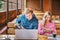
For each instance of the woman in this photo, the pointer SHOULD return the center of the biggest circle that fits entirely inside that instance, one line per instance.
(47, 26)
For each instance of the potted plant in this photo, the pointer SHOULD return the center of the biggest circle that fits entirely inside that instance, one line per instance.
(1, 4)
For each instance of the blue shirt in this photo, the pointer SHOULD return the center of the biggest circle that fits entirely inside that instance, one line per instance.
(28, 24)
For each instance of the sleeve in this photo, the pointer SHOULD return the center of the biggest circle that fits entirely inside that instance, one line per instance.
(40, 30)
(18, 20)
(35, 25)
(54, 27)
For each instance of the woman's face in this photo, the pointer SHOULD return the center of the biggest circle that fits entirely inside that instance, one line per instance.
(48, 17)
(29, 16)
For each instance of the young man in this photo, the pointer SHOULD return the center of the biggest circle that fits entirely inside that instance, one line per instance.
(28, 20)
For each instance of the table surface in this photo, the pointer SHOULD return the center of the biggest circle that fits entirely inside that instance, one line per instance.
(12, 37)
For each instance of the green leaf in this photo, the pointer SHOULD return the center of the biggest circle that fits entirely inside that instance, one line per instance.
(0, 4)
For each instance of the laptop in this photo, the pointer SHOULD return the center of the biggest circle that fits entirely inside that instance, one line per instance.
(26, 34)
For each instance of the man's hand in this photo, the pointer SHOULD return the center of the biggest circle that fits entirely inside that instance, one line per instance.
(23, 28)
(16, 24)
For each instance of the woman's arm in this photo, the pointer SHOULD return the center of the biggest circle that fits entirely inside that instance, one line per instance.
(52, 28)
(40, 30)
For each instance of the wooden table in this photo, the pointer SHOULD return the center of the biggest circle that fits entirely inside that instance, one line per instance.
(51, 38)
(12, 37)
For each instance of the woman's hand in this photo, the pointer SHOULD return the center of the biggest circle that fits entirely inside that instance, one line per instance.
(48, 30)
(43, 28)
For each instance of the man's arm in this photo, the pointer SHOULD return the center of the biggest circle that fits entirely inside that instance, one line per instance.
(35, 25)
(18, 22)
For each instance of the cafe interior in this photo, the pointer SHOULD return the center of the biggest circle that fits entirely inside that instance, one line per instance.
(10, 10)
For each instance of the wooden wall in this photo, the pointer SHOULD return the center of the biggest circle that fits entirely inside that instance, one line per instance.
(11, 16)
(52, 5)
(35, 4)
(46, 5)
(2, 18)
(56, 7)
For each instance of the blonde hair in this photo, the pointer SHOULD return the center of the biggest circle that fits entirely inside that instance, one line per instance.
(27, 10)
(44, 18)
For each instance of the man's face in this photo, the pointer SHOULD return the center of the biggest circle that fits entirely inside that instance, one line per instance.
(29, 16)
